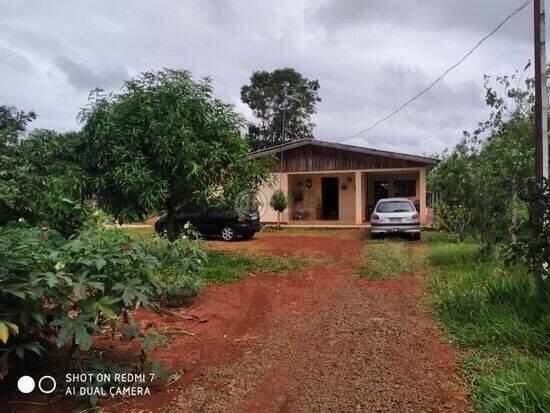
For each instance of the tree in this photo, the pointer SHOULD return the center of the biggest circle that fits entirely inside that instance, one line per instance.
(41, 179)
(13, 123)
(283, 101)
(279, 203)
(165, 142)
(487, 168)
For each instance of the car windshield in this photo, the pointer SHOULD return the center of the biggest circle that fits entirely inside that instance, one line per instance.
(395, 206)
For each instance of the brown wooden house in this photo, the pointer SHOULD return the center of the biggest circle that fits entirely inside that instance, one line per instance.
(335, 184)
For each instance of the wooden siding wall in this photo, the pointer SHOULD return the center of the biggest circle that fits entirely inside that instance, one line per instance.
(310, 158)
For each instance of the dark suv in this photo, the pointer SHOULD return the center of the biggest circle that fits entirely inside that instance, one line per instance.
(227, 224)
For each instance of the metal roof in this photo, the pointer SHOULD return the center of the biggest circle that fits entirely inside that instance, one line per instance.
(352, 148)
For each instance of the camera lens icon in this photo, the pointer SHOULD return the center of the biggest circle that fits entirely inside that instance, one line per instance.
(26, 384)
(46, 384)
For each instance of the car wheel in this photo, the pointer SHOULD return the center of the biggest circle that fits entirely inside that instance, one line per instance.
(415, 237)
(228, 234)
(374, 235)
(162, 231)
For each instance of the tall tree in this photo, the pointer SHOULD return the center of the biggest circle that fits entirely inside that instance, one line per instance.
(283, 101)
(165, 142)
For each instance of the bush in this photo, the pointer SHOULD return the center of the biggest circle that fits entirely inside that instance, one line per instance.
(278, 201)
(180, 264)
(51, 287)
(452, 219)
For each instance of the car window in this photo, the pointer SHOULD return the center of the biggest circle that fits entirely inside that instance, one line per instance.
(395, 206)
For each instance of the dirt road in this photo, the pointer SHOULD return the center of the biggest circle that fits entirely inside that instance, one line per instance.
(320, 341)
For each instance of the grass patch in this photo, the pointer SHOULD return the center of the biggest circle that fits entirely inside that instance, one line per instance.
(385, 260)
(491, 310)
(139, 234)
(226, 267)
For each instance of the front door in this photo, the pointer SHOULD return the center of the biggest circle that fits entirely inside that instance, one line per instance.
(329, 198)
(380, 190)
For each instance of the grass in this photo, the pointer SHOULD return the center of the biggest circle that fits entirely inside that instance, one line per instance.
(140, 234)
(385, 260)
(491, 311)
(227, 267)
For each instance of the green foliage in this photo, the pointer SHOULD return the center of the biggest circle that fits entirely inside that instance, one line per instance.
(283, 101)
(71, 289)
(42, 181)
(164, 142)
(226, 267)
(13, 123)
(452, 219)
(486, 169)
(278, 201)
(385, 260)
(519, 384)
(180, 264)
(492, 311)
(534, 252)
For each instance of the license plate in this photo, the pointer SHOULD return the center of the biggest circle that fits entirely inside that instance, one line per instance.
(253, 217)
(395, 219)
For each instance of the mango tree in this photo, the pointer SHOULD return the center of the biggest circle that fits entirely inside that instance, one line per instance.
(165, 142)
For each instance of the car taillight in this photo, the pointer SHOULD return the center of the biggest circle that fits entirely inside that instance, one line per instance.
(416, 215)
(374, 216)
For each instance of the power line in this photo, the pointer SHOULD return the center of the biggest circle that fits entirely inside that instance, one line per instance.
(431, 85)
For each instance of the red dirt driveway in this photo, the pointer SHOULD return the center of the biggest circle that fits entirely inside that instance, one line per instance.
(320, 341)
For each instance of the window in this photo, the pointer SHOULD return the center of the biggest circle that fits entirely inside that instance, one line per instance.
(395, 206)
(404, 188)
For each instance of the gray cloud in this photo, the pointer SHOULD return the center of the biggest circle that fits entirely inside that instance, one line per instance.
(369, 56)
(82, 77)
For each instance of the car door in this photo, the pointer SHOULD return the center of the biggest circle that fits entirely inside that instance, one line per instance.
(207, 223)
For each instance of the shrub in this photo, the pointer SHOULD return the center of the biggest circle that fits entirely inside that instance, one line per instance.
(279, 203)
(180, 264)
(67, 289)
(452, 219)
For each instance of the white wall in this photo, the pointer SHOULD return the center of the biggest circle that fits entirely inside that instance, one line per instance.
(268, 214)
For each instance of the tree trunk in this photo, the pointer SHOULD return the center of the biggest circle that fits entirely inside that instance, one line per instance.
(171, 230)
(278, 221)
(514, 218)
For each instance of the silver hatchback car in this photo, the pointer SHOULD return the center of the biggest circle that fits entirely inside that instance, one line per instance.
(395, 215)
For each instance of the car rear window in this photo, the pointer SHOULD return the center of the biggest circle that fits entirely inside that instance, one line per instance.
(395, 206)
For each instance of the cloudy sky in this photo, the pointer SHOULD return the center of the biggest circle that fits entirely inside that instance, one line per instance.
(368, 55)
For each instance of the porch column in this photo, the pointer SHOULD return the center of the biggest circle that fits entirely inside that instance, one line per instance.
(358, 198)
(422, 195)
(285, 216)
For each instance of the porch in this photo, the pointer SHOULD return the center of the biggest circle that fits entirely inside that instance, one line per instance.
(347, 198)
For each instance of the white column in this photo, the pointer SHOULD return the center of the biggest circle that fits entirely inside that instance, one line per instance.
(358, 198)
(422, 195)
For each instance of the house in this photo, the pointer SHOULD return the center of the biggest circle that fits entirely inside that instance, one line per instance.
(334, 184)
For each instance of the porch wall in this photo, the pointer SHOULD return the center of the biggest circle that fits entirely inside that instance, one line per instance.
(268, 214)
(310, 205)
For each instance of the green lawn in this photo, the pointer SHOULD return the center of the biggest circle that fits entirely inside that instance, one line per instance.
(490, 311)
(227, 267)
(386, 259)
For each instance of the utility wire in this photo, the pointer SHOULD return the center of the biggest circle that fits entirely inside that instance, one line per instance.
(431, 85)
